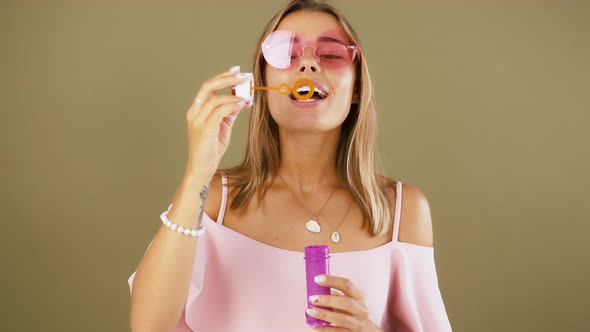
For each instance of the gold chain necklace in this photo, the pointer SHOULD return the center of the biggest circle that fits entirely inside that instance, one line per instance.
(335, 234)
(313, 225)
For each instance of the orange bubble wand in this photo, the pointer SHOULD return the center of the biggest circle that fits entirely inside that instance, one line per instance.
(284, 88)
(246, 89)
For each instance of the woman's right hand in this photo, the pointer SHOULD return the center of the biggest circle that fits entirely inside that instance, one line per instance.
(209, 129)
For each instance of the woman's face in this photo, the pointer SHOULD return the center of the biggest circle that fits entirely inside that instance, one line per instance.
(328, 113)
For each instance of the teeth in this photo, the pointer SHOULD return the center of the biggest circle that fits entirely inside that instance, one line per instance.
(304, 89)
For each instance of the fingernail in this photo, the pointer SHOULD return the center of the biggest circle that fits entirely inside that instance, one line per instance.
(319, 278)
(314, 299)
(248, 102)
(311, 311)
(241, 103)
(235, 69)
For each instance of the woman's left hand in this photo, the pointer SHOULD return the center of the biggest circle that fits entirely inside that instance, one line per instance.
(350, 311)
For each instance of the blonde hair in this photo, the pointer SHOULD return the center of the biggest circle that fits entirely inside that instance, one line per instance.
(355, 164)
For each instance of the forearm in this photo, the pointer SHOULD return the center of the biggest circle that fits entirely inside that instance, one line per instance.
(163, 276)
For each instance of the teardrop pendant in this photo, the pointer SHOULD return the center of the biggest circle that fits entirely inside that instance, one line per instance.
(335, 237)
(313, 226)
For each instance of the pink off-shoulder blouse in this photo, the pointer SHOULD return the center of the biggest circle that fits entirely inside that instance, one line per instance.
(240, 284)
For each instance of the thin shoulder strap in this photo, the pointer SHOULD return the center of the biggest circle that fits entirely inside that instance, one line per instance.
(223, 199)
(398, 210)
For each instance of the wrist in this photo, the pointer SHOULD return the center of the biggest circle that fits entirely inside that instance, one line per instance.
(198, 179)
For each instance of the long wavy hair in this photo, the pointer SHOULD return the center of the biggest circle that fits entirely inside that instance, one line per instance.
(355, 159)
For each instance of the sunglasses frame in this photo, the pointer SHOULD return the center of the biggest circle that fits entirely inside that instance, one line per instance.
(304, 46)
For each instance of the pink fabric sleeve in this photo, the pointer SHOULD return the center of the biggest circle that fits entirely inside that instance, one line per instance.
(194, 289)
(181, 326)
(415, 301)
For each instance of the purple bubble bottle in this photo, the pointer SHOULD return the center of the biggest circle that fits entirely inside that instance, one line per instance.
(317, 261)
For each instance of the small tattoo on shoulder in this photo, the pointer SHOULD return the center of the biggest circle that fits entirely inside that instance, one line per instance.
(203, 195)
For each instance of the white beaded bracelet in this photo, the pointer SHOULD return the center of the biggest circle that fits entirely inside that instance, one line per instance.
(180, 229)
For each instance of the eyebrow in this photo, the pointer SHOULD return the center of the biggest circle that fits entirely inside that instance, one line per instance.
(321, 39)
(331, 39)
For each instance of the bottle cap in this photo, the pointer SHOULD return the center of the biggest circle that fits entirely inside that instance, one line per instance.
(317, 252)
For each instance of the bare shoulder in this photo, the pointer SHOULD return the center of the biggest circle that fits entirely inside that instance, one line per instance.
(415, 220)
(213, 201)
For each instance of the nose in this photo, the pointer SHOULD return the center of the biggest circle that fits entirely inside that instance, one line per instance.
(309, 62)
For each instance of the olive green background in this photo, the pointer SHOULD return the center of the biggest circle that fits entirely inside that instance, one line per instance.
(483, 105)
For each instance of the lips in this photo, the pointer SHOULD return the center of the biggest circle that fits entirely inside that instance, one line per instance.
(303, 88)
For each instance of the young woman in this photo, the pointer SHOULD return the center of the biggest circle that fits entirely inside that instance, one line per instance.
(308, 177)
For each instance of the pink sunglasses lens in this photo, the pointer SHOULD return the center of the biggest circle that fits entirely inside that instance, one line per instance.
(333, 55)
(277, 48)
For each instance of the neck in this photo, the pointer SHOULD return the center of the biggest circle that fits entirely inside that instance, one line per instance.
(308, 160)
